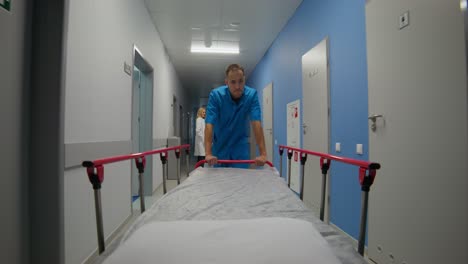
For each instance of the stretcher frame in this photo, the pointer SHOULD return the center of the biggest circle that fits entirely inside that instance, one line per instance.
(367, 173)
(95, 172)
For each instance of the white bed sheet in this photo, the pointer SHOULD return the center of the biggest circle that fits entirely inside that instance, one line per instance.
(214, 194)
(261, 240)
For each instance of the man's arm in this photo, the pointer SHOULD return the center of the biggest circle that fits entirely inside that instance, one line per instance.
(210, 159)
(260, 139)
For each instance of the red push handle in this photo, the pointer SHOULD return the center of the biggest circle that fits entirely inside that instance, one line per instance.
(232, 162)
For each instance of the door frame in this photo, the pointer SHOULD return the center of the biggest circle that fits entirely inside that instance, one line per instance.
(145, 68)
(272, 121)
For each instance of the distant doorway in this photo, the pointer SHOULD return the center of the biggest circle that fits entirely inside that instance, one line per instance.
(142, 118)
(267, 110)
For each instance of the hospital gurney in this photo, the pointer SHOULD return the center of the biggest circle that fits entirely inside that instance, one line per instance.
(247, 200)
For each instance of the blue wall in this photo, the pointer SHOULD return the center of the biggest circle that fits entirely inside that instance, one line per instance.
(344, 23)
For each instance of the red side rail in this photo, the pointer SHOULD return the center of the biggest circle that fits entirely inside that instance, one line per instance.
(113, 159)
(367, 172)
(95, 171)
(360, 163)
(232, 162)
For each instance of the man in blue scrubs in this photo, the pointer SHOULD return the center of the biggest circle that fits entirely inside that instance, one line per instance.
(229, 110)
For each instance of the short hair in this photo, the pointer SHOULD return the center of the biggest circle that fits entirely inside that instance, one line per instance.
(234, 67)
(200, 111)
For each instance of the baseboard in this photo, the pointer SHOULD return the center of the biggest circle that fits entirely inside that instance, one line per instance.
(114, 234)
(354, 241)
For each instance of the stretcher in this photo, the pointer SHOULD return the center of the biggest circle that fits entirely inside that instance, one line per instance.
(231, 215)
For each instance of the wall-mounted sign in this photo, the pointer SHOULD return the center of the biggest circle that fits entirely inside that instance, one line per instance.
(127, 68)
(6, 4)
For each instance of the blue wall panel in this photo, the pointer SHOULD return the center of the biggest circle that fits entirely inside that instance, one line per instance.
(344, 23)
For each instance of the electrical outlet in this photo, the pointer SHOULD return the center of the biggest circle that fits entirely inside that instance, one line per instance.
(404, 20)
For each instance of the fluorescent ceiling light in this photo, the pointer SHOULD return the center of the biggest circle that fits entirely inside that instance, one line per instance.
(215, 50)
(224, 47)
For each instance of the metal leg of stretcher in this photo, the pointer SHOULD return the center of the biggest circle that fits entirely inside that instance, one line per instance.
(281, 166)
(281, 161)
(140, 164)
(163, 156)
(301, 194)
(164, 177)
(322, 199)
(142, 197)
(362, 231)
(177, 153)
(324, 166)
(303, 161)
(187, 158)
(289, 167)
(96, 177)
(100, 229)
(366, 181)
(178, 171)
(166, 170)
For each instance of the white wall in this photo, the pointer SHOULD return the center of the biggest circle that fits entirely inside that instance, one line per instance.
(13, 223)
(100, 37)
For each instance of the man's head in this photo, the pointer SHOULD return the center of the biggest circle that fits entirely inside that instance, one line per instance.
(235, 80)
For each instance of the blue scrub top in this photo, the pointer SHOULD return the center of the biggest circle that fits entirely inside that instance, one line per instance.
(230, 120)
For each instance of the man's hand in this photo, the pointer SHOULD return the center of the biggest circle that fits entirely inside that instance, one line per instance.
(211, 160)
(260, 160)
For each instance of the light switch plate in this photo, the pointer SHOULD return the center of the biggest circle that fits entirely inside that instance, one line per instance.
(359, 149)
(404, 20)
(338, 147)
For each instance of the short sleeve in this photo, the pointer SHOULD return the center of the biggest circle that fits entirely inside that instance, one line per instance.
(255, 112)
(212, 109)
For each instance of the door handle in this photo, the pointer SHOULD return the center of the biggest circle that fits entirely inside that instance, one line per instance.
(373, 118)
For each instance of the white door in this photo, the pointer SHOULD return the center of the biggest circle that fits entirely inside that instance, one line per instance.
(293, 136)
(316, 119)
(267, 110)
(417, 82)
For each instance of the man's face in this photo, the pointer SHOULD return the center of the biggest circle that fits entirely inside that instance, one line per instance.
(235, 81)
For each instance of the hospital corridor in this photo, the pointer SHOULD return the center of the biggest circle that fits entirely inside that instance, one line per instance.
(243, 131)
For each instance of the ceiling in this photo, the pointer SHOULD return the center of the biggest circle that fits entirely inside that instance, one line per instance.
(250, 25)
